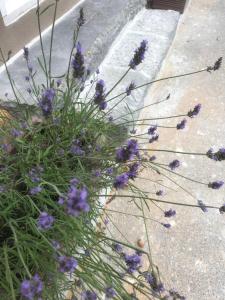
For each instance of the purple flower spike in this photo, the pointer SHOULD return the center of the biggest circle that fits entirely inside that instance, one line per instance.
(174, 164)
(35, 190)
(152, 130)
(127, 152)
(152, 158)
(31, 288)
(133, 171)
(26, 53)
(16, 133)
(58, 82)
(154, 138)
(170, 213)
(46, 102)
(99, 97)
(117, 247)
(182, 124)
(139, 55)
(110, 293)
(195, 111)
(89, 295)
(222, 209)
(133, 262)
(45, 221)
(159, 193)
(130, 88)
(77, 201)
(78, 63)
(202, 206)
(216, 184)
(67, 264)
(217, 156)
(166, 225)
(121, 181)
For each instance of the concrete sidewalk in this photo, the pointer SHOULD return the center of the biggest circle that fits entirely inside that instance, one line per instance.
(191, 255)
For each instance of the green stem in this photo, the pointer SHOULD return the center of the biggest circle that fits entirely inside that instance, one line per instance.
(161, 79)
(18, 250)
(52, 37)
(41, 41)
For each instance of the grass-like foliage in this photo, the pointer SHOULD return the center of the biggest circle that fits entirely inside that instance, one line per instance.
(58, 159)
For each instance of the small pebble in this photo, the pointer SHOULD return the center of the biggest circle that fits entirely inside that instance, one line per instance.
(140, 243)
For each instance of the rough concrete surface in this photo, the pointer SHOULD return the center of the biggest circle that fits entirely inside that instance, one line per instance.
(155, 26)
(191, 255)
(104, 20)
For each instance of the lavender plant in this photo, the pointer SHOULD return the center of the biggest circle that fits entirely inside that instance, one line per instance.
(58, 157)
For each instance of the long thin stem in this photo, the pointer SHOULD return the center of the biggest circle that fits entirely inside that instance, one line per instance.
(52, 38)
(117, 83)
(41, 41)
(18, 250)
(9, 76)
(173, 151)
(160, 79)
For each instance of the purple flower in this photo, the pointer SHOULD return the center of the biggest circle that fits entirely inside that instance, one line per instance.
(81, 19)
(195, 111)
(176, 295)
(35, 190)
(117, 247)
(121, 181)
(182, 124)
(159, 193)
(77, 201)
(153, 282)
(166, 225)
(35, 174)
(152, 130)
(222, 209)
(89, 295)
(133, 170)
(217, 156)
(16, 133)
(78, 63)
(202, 206)
(32, 288)
(133, 262)
(216, 184)
(45, 221)
(154, 138)
(99, 97)
(76, 150)
(127, 152)
(152, 158)
(67, 264)
(46, 102)
(133, 131)
(56, 245)
(58, 82)
(169, 213)
(110, 292)
(61, 200)
(74, 181)
(109, 171)
(130, 88)
(97, 173)
(26, 53)
(139, 55)
(174, 164)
